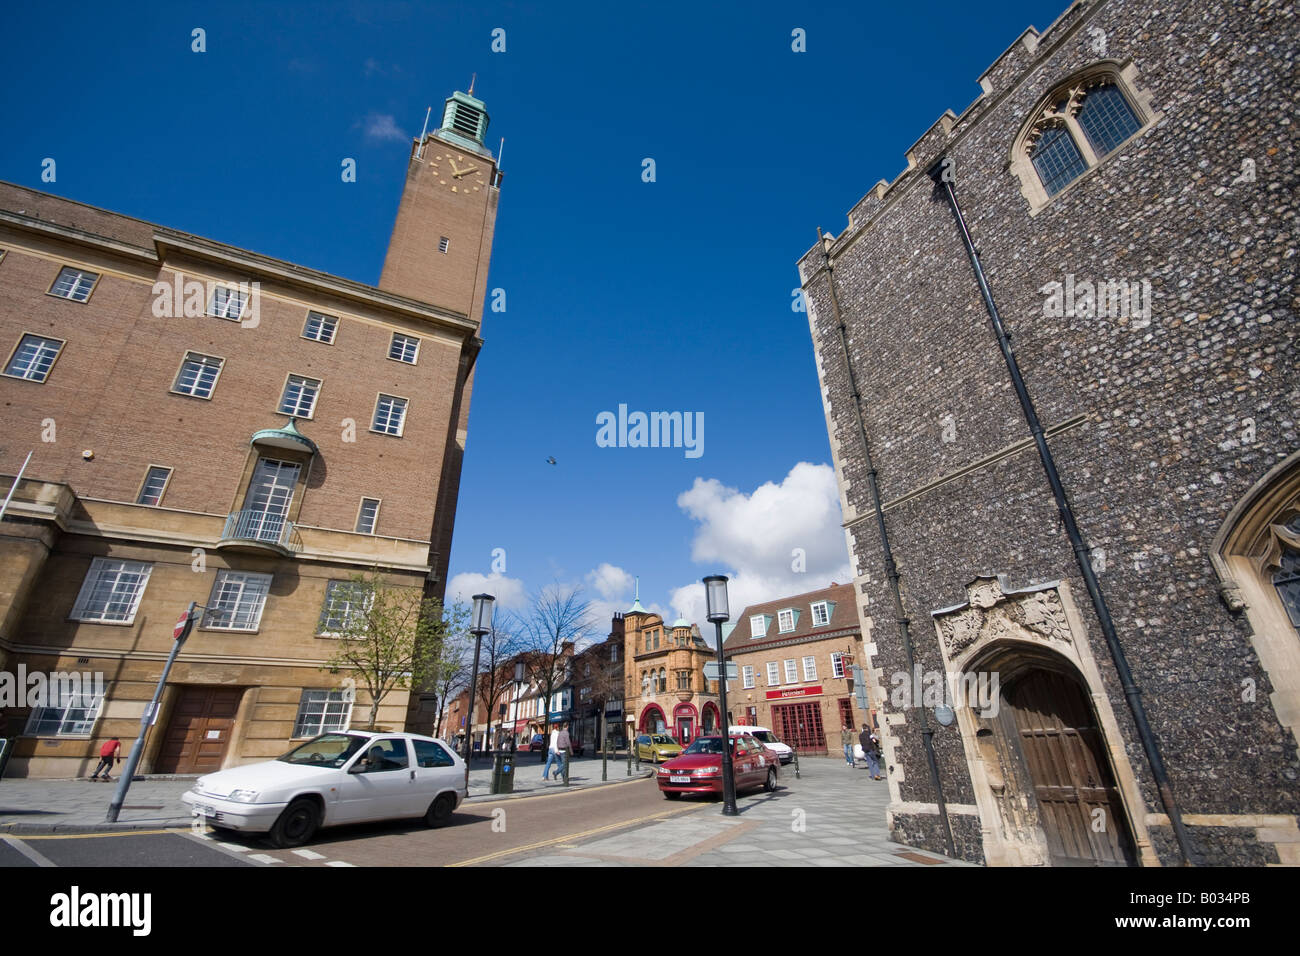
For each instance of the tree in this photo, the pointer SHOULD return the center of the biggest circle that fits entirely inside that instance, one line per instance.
(448, 672)
(499, 645)
(558, 615)
(389, 635)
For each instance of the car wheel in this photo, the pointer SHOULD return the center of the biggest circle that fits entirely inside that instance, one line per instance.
(296, 825)
(770, 784)
(440, 810)
(672, 795)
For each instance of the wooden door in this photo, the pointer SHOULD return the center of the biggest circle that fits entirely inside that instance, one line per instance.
(198, 732)
(1050, 719)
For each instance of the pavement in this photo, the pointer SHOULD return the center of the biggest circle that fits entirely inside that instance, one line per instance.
(828, 816)
(80, 805)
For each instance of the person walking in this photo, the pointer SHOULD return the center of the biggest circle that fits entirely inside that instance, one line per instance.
(108, 753)
(552, 754)
(871, 750)
(846, 741)
(563, 747)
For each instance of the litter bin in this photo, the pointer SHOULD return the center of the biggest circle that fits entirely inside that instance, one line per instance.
(503, 773)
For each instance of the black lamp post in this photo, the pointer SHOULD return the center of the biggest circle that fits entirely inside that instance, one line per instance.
(480, 624)
(715, 596)
(519, 679)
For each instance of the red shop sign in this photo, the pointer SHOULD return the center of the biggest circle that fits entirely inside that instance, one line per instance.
(795, 692)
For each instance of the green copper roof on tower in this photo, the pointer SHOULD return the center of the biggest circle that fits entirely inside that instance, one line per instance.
(465, 122)
(636, 602)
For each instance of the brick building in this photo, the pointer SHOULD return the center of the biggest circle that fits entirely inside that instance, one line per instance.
(1131, 193)
(795, 658)
(210, 424)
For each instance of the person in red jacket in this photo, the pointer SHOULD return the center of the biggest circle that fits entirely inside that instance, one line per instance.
(107, 754)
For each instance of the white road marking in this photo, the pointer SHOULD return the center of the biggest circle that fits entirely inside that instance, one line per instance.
(338, 863)
(264, 858)
(309, 854)
(38, 858)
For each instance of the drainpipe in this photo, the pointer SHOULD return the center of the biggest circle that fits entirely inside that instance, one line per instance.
(1131, 691)
(891, 569)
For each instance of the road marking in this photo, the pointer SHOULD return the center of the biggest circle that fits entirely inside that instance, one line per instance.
(578, 836)
(338, 863)
(264, 858)
(233, 847)
(97, 836)
(309, 854)
(37, 858)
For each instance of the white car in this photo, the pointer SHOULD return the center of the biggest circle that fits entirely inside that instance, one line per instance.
(350, 776)
(768, 739)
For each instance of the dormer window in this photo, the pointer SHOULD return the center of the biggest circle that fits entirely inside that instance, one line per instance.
(821, 613)
(757, 625)
(787, 620)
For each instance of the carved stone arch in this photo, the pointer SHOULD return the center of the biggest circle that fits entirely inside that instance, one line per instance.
(1246, 553)
(1124, 75)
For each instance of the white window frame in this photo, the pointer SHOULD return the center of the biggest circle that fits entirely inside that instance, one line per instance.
(361, 510)
(747, 675)
(791, 670)
(781, 617)
(327, 720)
(114, 571)
(400, 348)
(825, 614)
(374, 418)
(232, 295)
(773, 674)
(757, 626)
(837, 664)
(326, 321)
(45, 340)
(444, 243)
(212, 389)
(809, 668)
(77, 275)
(335, 588)
(67, 726)
(244, 579)
(303, 383)
(167, 477)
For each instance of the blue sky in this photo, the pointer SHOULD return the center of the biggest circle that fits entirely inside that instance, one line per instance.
(665, 296)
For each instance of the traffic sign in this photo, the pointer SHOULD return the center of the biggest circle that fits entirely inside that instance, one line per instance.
(711, 670)
(181, 623)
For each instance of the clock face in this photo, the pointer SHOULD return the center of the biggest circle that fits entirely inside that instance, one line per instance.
(459, 173)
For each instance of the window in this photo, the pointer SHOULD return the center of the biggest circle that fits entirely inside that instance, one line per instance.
(1076, 127)
(837, 664)
(785, 620)
(684, 680)
(773, 674)
(821, 614)
(810, 668)
(33, 358)
(747, 675)
(613, 653)
(390, 415)
(321, 711)
(237, 600)
(320, 327)
(155, 482)
(345, 601)
(428, 754)
(299, 398)
(444, 244)
(71, 711)
(112, 591)
(404, 348)
(663, 681)
(198, 375)
(227, 303)
(791, 672)
(74, 284)
(368, 516)
(846, 712)
(757, 626)
(1286, 580)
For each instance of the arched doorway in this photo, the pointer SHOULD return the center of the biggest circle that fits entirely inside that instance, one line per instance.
(1053, 739)
(710, 719)
(653, 720)
(685, 719)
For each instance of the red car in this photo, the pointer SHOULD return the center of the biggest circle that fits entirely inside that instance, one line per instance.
(699, 768)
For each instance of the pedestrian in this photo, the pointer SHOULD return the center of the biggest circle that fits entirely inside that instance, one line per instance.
(107, 754)
(552, 754)
(846, 741)
(563, 747)
(871, 749)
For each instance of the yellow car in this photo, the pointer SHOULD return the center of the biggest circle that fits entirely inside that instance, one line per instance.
(656, 747)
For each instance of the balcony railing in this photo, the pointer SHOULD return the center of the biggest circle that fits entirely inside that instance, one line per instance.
(262, 527)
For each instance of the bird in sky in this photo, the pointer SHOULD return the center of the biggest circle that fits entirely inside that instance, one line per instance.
(550, 461)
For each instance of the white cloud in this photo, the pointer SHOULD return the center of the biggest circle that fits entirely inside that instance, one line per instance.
(383, 127)
(760, 539)
(610, 581)
(510, 593)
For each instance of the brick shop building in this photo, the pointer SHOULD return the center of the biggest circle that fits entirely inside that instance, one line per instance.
(795, 658)
(210, 424)
(1129, 185)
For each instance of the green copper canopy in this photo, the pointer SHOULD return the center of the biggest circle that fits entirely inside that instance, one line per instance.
(465, 122)
(287, 437)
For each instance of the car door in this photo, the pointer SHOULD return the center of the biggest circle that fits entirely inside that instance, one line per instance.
(379, 784)
(435, 773)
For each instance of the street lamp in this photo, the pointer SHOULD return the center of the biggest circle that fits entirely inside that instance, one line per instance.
(480, 624)
(715, 596)
(514, 730)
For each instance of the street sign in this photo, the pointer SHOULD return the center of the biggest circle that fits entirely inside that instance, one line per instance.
(179, 629)
(711, 670)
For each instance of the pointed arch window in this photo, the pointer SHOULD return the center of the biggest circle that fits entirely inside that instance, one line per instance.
(1287, 577)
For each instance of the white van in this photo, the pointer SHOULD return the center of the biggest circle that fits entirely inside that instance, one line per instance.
(768, 739)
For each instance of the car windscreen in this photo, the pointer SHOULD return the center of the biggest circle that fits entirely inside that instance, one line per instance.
(705, 745)
(327, 750)
(764, 735)
(661, 739)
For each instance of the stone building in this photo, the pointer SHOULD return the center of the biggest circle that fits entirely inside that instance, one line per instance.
(214, 425)
(795, 658)
(1106, 661)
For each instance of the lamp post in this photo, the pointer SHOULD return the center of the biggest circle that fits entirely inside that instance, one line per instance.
(519, 679)
(480, 624)
(715, 596)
